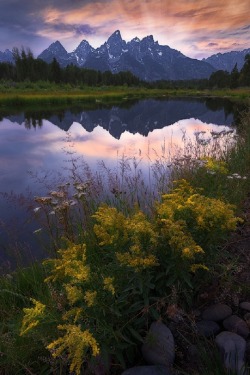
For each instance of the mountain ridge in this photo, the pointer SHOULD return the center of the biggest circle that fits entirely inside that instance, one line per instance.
(145, 58)
(226, 61)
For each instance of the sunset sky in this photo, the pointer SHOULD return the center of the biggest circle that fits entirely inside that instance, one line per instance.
(197, 28)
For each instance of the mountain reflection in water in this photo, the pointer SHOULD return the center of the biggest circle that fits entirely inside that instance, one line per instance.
(141, 117)
(31, 142)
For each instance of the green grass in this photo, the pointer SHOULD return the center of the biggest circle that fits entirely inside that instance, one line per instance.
(45, 93)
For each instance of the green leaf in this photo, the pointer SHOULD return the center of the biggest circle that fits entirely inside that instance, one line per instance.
(135, 334)
(187, 280)
(155, 314)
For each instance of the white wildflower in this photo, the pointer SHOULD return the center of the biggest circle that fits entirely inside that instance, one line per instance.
(37, 231)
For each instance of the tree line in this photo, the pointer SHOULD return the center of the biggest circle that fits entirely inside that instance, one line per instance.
(28, 68)
(234, 79)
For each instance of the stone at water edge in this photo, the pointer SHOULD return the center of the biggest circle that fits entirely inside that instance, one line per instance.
(232, 348)
(208, 328)
(235, 324)
(148, 370)
(159, 347)
(245, 306)
(216, 312)
(247, 318)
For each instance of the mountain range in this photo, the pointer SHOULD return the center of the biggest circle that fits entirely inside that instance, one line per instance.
(145, 58)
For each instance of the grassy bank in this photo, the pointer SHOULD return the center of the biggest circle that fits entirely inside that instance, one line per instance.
(117, 266)
(51, 94)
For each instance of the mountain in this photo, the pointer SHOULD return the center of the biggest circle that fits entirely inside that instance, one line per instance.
(6, 56)
(144, 58)
(227, 61)
(56, 50)
(81, 53)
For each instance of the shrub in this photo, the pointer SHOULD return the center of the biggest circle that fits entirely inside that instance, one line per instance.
(120, 278)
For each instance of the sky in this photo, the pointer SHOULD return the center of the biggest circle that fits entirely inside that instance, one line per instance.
(197, 28)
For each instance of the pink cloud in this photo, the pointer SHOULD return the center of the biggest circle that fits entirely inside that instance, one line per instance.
(184, 25)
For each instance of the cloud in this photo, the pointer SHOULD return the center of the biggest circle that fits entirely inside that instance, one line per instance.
(189, 26)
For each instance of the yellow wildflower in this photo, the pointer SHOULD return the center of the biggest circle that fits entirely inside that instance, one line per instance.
(76, 343)
(71, 263)
(75, 313)
(137, 262)
(108, 284)
(195, 267)
(90, 297)
(32, 316)
(73, 293)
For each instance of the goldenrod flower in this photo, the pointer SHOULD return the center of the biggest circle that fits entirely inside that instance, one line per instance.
(32, 316)
(108, 284)
(73, 293)
(76, 343)
(90, 297)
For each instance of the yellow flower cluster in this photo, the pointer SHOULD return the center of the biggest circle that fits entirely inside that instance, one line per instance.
(180, 239)
(76, 342)
(73, 293)
(90, 297)
(134, 237)
(108, 284)
(70, 263)
(215, 165)
(111, 225)
(32, 316)
(185, 211)
(137, 262)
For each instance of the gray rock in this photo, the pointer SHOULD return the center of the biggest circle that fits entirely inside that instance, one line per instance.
(232, 348)
(235, 324)
(247, 318)
(216, 312)
(248, 352)
(207, 328)
(148, 370)
(159, 346)
(245, 306)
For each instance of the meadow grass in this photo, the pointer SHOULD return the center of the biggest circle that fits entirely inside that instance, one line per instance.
(28, 93)
(115, 296)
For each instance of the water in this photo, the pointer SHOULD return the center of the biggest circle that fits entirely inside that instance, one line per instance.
(37, 149)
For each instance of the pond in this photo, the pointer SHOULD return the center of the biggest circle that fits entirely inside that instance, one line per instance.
(39, 149)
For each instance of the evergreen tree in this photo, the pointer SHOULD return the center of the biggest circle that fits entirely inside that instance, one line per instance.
(245, 72)
(55, 71)
(234, 77)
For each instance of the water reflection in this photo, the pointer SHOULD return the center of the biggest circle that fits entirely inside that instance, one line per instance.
(141, 117)
(42, 144)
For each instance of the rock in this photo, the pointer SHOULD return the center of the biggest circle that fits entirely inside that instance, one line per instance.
(235, 324)
(232, 348)
(159, 346)
(216, 312)
(248, 352)
(247, 318)
(207, 328)
(245, 306)
(148, 370)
